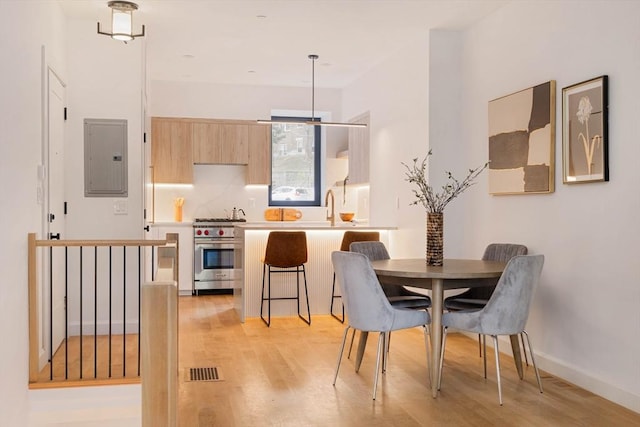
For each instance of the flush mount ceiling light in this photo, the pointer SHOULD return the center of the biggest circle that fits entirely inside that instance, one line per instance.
(122, 21)
(314, 121)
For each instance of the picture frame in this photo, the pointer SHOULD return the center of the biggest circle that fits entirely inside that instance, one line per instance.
(522, 141)
(585, 131)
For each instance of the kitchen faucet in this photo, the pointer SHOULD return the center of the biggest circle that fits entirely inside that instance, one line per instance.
(331, 217)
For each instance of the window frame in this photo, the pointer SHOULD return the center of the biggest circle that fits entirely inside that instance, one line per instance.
(317, 163)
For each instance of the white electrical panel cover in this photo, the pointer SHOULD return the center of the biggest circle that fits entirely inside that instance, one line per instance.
(105, 158)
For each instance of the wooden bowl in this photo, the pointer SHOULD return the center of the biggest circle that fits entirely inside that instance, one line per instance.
(347, 216)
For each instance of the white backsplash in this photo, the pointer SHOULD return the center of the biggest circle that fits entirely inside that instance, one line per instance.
(217, 189)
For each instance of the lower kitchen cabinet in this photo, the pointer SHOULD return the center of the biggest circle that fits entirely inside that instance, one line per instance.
(185, 252)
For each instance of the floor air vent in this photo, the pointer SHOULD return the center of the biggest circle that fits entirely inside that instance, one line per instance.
(203, 374)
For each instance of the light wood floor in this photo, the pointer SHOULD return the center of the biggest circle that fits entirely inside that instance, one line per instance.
(93, 368)
(282, 376)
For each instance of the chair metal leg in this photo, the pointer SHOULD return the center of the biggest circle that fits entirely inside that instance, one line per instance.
(344, 340)
(353, 336)
(524, 350)
(444, 342)
(306, 293)
(264, 273)
(497, 353)
(479, 346)
(380, 351)
(533, 360)
(484, 350)
(333, 297)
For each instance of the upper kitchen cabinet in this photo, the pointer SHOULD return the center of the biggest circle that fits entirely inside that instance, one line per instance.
(171, 150)
(259, 170)
(220, 142)
(359, 151)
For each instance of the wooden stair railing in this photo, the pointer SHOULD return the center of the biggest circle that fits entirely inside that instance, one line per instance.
(160, 344)
(167, 266)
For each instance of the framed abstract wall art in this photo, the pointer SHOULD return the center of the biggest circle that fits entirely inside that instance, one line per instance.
(522, 141)
(585, 137)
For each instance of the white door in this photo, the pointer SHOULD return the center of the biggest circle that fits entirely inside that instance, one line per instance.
(56, 210)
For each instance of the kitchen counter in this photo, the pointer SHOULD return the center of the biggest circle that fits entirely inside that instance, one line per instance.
(171, 224)
(322, 239)
(308, 225)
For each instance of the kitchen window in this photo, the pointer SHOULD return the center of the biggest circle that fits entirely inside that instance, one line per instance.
(295, 163)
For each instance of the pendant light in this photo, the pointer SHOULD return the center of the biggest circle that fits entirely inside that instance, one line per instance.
(314, 121)
(122, 21)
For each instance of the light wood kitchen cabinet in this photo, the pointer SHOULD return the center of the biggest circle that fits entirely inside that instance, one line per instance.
(219, 142)
(171, 150)
(359, 151)
(259, 169)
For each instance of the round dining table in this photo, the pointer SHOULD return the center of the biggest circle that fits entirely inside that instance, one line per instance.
(453, 274)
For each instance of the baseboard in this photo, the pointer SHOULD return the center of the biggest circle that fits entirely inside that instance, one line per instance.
(575, 376)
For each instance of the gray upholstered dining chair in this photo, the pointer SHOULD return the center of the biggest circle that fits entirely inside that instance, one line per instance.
(368, 308)
(398, 296)
(476, 297)
(505, 313)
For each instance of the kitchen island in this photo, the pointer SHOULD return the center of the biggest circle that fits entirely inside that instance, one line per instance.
(322, 239)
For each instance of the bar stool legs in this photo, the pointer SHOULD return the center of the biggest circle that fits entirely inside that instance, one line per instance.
(272, 270)
(333, 297)
(286, 252)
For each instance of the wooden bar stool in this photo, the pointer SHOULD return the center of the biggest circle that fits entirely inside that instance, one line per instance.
(286, 252)
(348, 238)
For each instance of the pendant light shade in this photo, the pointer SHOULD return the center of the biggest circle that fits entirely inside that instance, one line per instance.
(122, 21)
(314, 121)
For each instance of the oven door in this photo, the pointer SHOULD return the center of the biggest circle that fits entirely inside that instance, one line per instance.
(214, 265)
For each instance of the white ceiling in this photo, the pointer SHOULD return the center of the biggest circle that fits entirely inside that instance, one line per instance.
(267, 42)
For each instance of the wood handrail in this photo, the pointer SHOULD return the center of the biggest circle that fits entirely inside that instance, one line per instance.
(99, 243)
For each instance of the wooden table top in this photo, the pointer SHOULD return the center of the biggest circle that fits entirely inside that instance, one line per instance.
(417, 268)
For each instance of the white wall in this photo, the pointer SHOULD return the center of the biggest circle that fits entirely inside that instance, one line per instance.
(221, 187)
(396, 95)
(584, 319)
(92, 91)
(105, 82)
(20, 153)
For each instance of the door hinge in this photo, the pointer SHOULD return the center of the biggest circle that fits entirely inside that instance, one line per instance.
(144, 137)
(65, 113)
(64, 208)
(144, 213)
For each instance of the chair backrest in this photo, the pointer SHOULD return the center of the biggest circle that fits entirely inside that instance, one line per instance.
(495, 252)
(503, 251)
(373, 250)
(358, 236)
(507, 311)
(367, 307)
(286, 249)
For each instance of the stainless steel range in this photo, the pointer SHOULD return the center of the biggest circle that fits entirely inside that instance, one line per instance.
(217, 261)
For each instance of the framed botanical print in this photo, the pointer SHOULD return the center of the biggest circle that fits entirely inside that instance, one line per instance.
(522, 141)
(585, 140)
